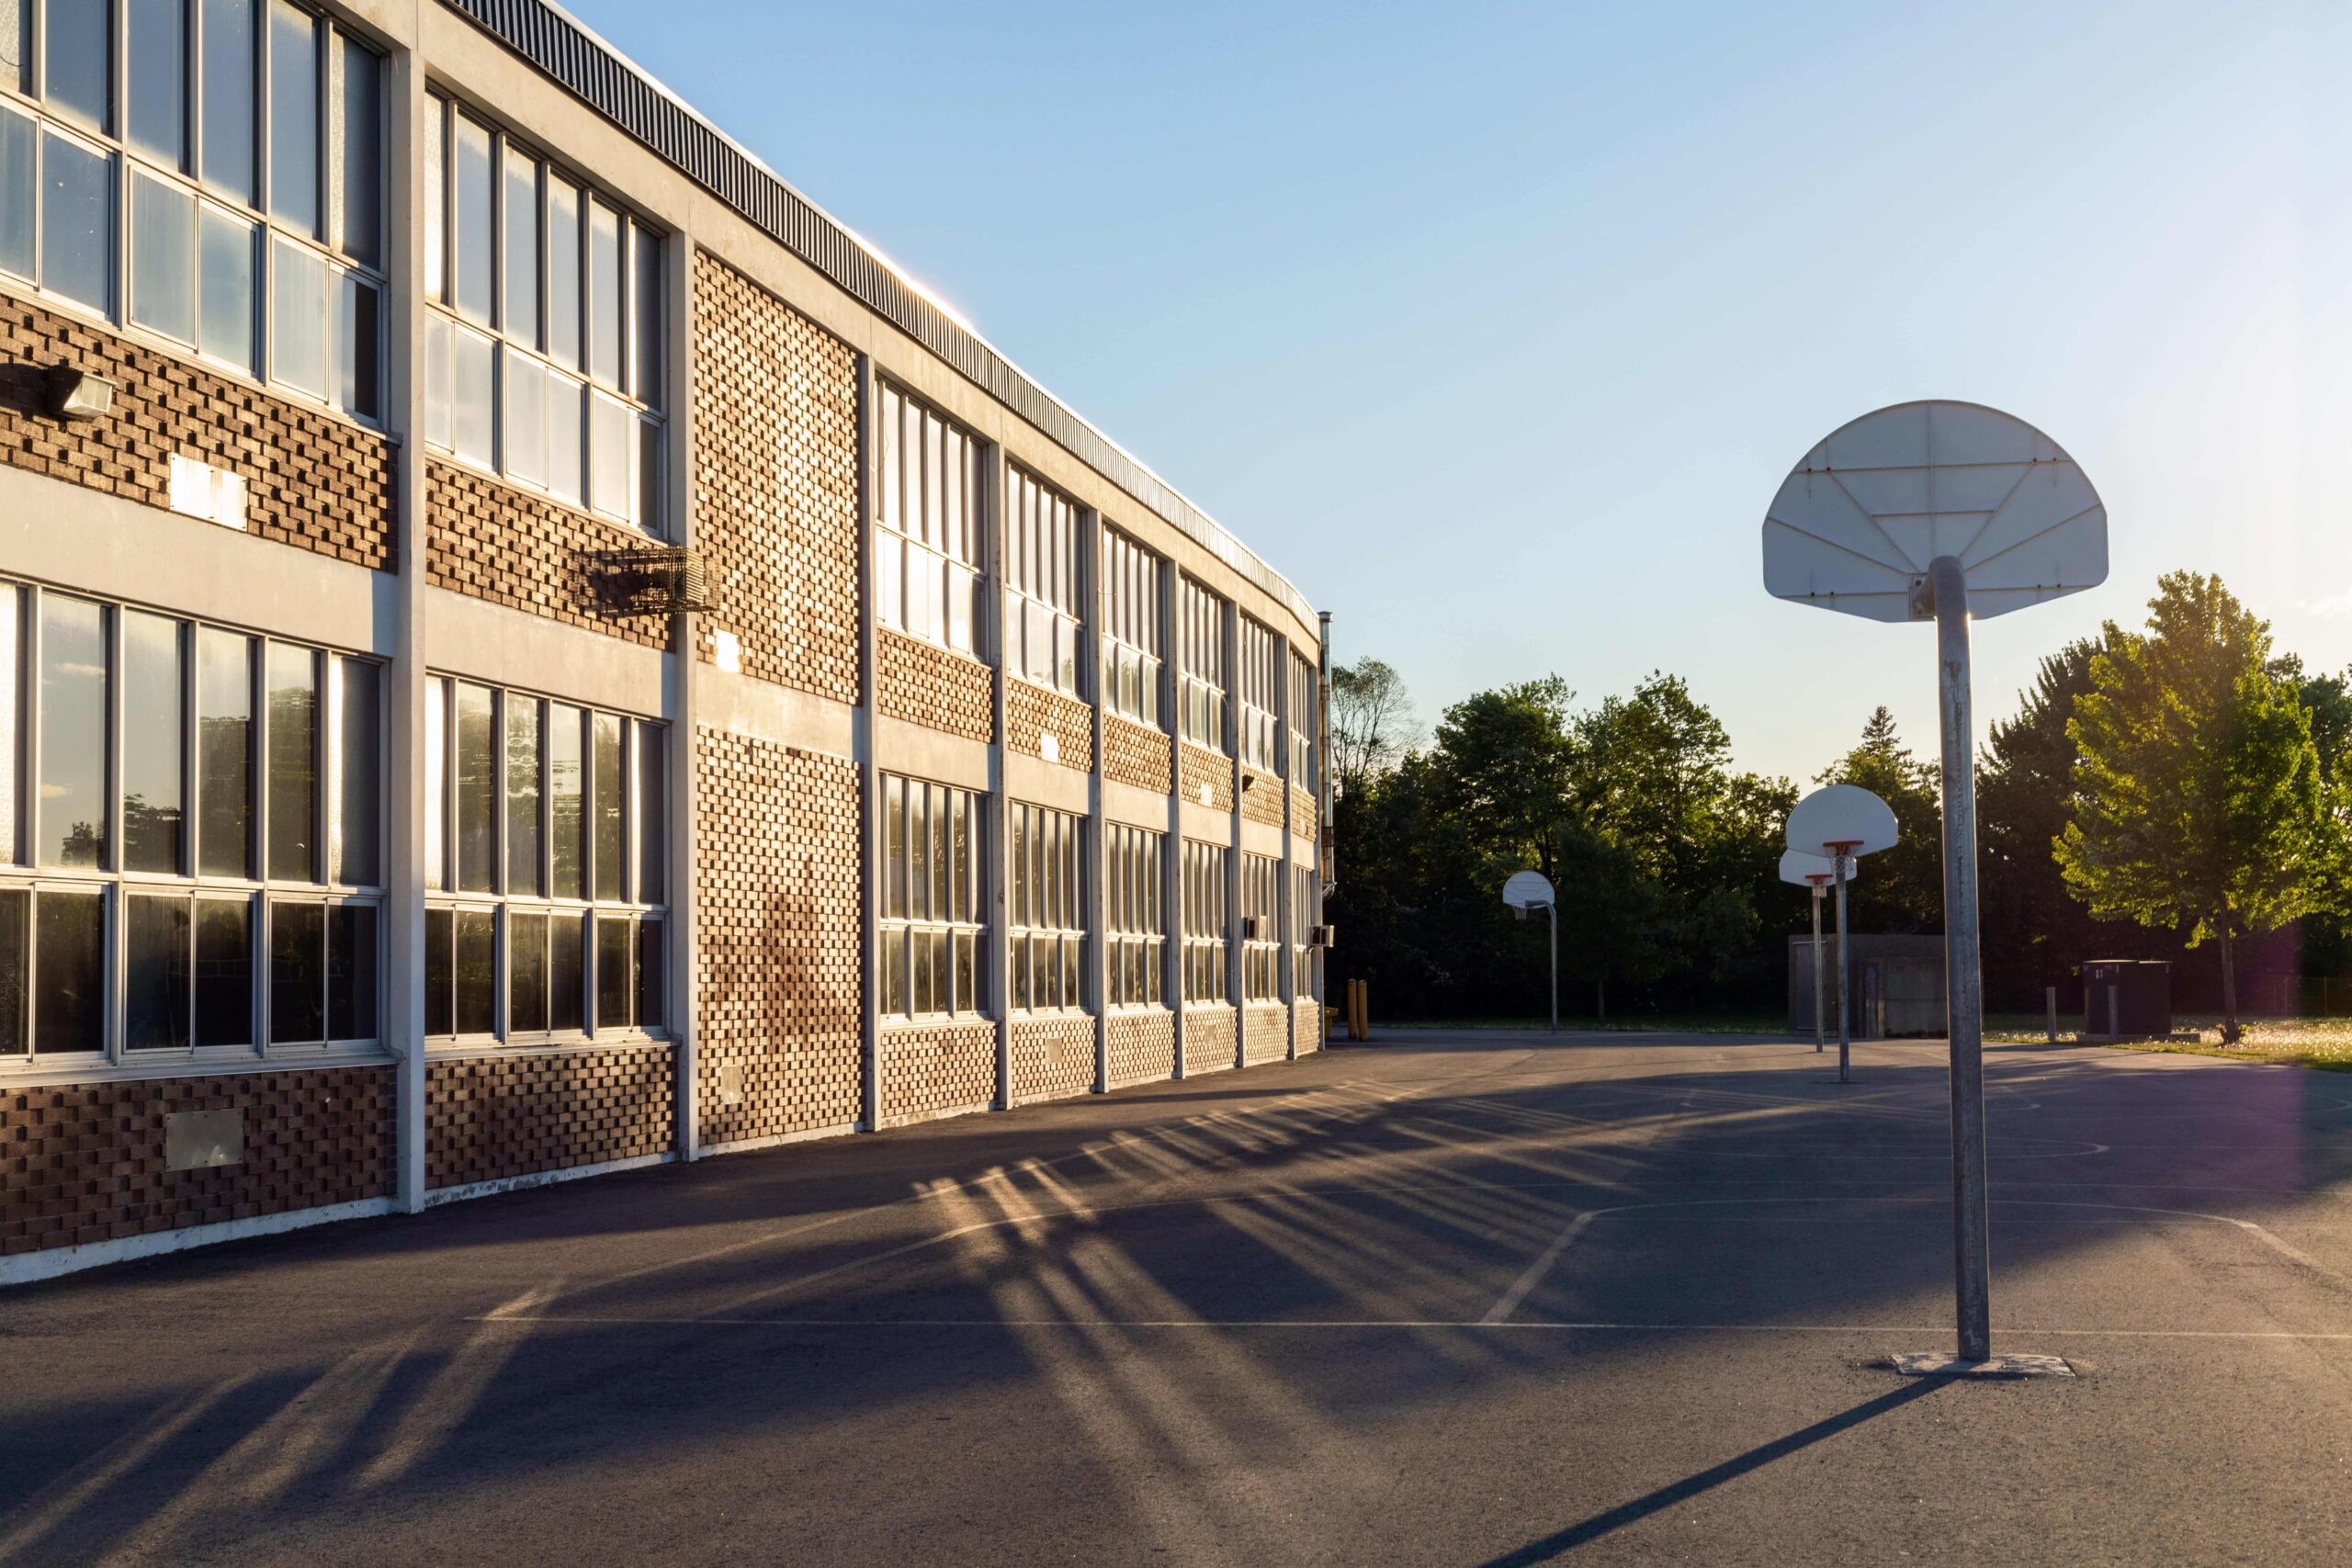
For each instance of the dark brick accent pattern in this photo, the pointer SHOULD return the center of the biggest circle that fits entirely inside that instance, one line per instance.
(494, 542)
(775, 484)
(1205, 767)
(1138, 754)
(491, 1118)
(1265, 1033)
(82, 1163)
(1053, 1058)
(1143, 1046)
(1264, 800)
(924, 683)
(312, 480)
(1209, 1045)
(1032, 712)
(933, 1070)
(780, 965)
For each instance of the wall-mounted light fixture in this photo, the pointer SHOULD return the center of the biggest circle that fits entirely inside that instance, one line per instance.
(77, 397)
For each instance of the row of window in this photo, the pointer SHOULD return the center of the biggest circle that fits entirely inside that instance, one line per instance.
(1200, 647)
(927, 523)
(933, 923)
(1261, 946)
(1130, 629)
(566, 973)
(1205, 922)
(209, 171)
(1260, 678)
(1306, 685)
(1041, 594)
(1133, 922)
(1048, 953)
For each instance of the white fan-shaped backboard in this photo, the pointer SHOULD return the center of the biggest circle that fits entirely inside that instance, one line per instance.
(1526, 891)
(1857, 522)
(1841, 814)
(1814, 871)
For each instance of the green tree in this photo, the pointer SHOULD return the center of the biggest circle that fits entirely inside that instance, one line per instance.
(1900, 889)
(2201, 802)
(1370, 721)
(2035, 932)
(1502, 767)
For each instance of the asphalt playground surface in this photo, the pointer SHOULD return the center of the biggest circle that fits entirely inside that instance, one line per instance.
(1467, 1298)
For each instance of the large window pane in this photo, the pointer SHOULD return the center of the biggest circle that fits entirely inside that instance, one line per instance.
(77, 223)
(69, 979)
(225, 972)
(470, 178)
(229, 96)
(225, 288)
(652, 816)
(294, 117)
(15, 910)
(471, 371)
(297, 936)
(297, 319)
(645, 308)
(526, 974)
(650, 506)
(17, 140)
(151, 743)
(477, 790)
(155, 976)
(477, 972)
(157, 105)
(436, 201)
(439, 414)
(11, 720)
(521, 318)
(526, 384)
(440, 965)
(603, 294)
(363, 153)
(567, 973)
(358, 730)
(163, 247)
(437, 783)
(565, 400)
(615, 987)
(224, 749)
(563, 272)
(609, 805)
(523, 836)
(652, 993)
(566, 824)
(351, 972)
(75, 79)
(359, 348)
(293, 764)
(612, 430)
(72, 733)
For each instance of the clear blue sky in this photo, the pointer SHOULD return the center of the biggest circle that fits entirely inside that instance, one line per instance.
(1495, 326)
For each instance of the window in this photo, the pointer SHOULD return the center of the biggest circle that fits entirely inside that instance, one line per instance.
(1304, 685)
(1135, 920)
(1201, 632)
(544, 867)
(1305, 905)
(156, 216)
(1260, 678)
(543, 350)
(198, 869)
(927, 525)
(1130, 629)
(1041, 594)
(1262, 939)
(1048, 913)
(1205, 920)
(934, 928)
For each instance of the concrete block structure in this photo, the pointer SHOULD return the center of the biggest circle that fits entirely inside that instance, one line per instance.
(527, 650)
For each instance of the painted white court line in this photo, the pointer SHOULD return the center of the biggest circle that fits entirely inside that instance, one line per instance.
(1508, 1302)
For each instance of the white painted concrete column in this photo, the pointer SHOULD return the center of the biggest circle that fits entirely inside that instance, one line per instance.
(404, 683)
(682, 671)
(869, 777)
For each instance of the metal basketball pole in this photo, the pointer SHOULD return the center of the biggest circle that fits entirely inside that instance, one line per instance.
(1845, 978)
(1820, 1024)
(1965, 1002)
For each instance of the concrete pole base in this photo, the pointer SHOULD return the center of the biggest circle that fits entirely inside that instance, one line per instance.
(1942, 1364)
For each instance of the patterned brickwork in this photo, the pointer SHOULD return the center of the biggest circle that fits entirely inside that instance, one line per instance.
(494, 542)
(82, 1163)
(932, 1069)
(311, 481)
(1208, 1039)
(1138, 754)
(1302, 815)
(1308, 1025)
(492, 1118)
(1205, 768)
(1143, 1046)
(1263, 800)
(775, 484)
(1053, 1058)
(926, 685)
(1265, 1035)
(1031, 713)
(779, 964)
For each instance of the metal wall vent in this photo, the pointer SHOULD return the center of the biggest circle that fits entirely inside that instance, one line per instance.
(650, 582)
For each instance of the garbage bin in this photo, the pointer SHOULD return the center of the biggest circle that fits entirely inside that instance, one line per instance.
(2127, 999)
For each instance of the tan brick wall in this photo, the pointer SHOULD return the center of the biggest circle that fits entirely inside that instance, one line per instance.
(780, 967)
(1302, 815)
(1265, 1033)
(930, 1069)
(494, 542)
(1263, 800)
(924, 683)
(1053, 1058)
(311, 481)
(82, 1163)
(1031, 712)
(1308, 1025)
(775, 484)
(1143, 1046)
(491, 1118)
(1138, 754)
(1205, 767)
(1208, 1038)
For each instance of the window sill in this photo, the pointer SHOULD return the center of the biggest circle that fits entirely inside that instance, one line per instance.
(149, 1069)
(473, 1049)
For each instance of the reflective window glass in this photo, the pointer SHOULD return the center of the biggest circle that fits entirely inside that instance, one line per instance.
(297, 934)
(155, 989)
(224, 747)
(615, 987)
(567, 973)
(475, 969)
(225, 972)
(520, 318)
(470, 180)
(563, 272)
(522, 836)
(293, 763)
(157, 103)
(567, 826)
(162, 251)
(72, 733)
(77, 222)
(297, 319)
(358, 728)
(151, 707)
(17, 141)
(351, 972)
(440, 971)
(225, 288)
(75, 73)
(363, 153)
(294, 117)
(477, 789)
(69, 974)
(227, 94)
(526, 974)
(608, 805)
